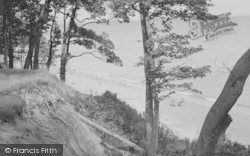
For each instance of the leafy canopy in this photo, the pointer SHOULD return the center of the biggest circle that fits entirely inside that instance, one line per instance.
(165, 47)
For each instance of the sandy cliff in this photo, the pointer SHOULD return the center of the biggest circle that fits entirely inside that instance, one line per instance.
(53, 113)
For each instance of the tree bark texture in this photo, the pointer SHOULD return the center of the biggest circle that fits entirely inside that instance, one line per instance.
(65, 46)
(52, 39)
(37, 47)
(152, 103)
(5, 31)
(217, 119)
(11, 51)
(35, 35)
(28, 60)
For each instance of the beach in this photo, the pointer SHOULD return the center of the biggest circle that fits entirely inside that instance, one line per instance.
(92, 76)
(185, 119)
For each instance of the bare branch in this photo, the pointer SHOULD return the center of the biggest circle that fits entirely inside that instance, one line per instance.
(89, 18)
(97, 21)
(153, 12)
(100, 58)
(73, 56)
(133, 7)
(89, 23)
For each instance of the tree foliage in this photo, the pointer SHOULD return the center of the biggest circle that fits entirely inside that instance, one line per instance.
(33, 19)
(162, 47)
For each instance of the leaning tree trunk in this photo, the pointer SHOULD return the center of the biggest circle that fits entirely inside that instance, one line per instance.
(217, 119)
(152, 104)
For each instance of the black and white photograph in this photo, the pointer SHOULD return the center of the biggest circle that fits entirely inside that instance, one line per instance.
(124, 78)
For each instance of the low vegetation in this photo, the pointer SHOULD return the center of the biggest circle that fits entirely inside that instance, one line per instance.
(108, 110)
(11, 107)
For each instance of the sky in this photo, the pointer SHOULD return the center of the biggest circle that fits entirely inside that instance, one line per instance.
(236, 7)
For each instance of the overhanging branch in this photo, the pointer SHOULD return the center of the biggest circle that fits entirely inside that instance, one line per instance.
(85, 53)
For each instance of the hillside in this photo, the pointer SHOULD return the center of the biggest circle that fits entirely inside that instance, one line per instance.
(42, 110)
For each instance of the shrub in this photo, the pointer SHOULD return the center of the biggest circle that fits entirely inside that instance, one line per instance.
(132, 124)
(11, 107)
(124, 117)
(114, 112)
(230, 148)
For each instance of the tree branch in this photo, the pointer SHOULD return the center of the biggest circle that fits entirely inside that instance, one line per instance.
(100, 58)
(66, 14)
(133, 7)
(73, 56)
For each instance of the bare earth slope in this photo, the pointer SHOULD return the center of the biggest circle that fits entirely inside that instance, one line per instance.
(53, 114)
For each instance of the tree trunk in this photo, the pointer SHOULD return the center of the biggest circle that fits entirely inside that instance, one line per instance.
(37, 47)
(5, 38)
(151, 115)
(155, 124)
(52, 39)
(64, 55)
(65, 46)
(11, 55)
(28, 61)
(48, 64)
(1, 5)
(64, 58)
(217, 119)
(35, 36)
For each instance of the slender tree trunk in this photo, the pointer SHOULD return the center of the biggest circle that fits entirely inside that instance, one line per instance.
(155, 124)
(6, 51)
(48, 64)
(1, 4)
(11, 55)
(63, 55)
(151, 115)
(52, 40)
(23, 45)
(65, 46)
(64, 58)
(28, 60)
(5, 38)
(37, 47)
(217, 119)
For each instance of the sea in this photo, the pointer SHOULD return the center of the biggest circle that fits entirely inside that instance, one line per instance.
(220, 53)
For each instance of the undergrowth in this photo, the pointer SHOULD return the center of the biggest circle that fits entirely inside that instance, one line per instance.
(117, 115)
